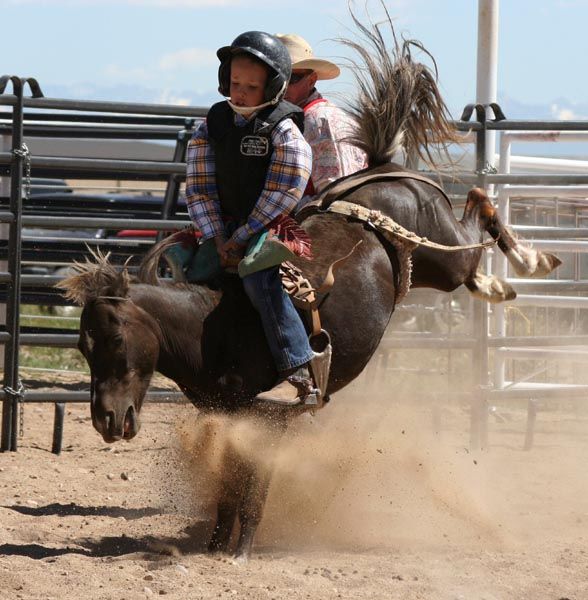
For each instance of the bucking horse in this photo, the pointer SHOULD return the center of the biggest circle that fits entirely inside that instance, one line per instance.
(399, 231)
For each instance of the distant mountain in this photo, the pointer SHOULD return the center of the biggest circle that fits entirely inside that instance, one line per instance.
(130, 93)
(559, 109)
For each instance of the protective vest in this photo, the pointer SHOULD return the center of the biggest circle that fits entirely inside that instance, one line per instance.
(243, 154)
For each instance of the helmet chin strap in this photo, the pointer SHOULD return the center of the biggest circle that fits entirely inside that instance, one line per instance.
(247, 110)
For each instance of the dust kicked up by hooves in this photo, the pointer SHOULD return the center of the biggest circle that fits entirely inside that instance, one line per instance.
(393, 470)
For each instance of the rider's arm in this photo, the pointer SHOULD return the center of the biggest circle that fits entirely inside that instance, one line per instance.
(286, 179)
(201, 191)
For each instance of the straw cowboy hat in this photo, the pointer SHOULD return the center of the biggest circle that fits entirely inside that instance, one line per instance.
(302, 57)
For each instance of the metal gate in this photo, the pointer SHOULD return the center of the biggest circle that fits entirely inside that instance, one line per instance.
(492, 341)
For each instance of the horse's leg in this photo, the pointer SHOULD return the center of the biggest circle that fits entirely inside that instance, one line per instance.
(256, 489)
(251, 509)
(526, 261)
(480, 213)
(225, 521)
(478, 216)
(214, 466)
(447, 271)
(230, 495)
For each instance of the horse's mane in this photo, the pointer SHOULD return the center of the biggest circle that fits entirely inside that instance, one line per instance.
(95, 278)
(398, 104)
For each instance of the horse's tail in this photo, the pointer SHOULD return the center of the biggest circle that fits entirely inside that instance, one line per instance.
(398, 105)
(185, 238)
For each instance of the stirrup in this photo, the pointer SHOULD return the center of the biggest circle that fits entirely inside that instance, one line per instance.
(320, 366)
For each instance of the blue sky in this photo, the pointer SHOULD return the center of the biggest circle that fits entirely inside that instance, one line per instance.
(163, 50)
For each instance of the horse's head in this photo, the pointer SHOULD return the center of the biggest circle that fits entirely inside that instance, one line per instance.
(120, 343)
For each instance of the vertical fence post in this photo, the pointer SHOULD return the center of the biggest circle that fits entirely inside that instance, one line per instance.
(5, 144)
(12, 384)
(172, 189)
(487, 68)
(531, 418)
(58, 428)
(487, 62)
(479, 408)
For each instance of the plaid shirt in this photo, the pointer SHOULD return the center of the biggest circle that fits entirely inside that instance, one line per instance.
(287, 175)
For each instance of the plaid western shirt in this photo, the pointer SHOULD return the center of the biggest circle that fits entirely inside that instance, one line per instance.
(287, 175)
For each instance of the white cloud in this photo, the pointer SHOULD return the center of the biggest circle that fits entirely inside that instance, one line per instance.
(169, 97)
(188, 58)
(165, 69)
(565, 113)
(116, 73)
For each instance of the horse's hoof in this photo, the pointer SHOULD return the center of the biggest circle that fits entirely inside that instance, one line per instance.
(503, 291)
(215, 547)
(490, 288)
(528, 262)
(545, 264)
(240, 559)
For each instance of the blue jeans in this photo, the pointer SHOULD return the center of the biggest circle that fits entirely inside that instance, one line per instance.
(284, 330)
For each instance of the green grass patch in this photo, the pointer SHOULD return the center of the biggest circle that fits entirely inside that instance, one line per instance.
(63, 359)
(66, 359)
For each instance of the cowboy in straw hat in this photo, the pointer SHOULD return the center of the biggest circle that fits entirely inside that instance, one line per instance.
(326, 126)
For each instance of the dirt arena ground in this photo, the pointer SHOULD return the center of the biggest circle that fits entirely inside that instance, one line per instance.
(372, 499)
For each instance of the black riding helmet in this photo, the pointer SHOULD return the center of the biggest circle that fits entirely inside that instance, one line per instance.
(267, 48)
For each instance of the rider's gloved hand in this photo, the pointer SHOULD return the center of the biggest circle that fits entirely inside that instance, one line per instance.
(230, 253)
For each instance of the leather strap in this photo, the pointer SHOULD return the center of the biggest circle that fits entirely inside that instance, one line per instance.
(355, 181)
(348, 184)
(329, 280)
(387, 225)
(303, 294)
(325, 288)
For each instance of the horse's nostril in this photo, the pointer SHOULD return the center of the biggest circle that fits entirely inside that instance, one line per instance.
(129, 424)
(108, 420)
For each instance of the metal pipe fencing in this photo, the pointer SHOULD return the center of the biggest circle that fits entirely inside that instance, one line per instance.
(140, 121)
(17, 161)
(571, 240)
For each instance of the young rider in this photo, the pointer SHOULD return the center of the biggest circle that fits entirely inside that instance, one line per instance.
(248, 163)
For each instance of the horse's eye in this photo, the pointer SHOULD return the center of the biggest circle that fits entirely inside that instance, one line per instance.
(117, 339)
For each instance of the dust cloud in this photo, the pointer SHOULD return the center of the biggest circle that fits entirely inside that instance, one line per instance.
(373, 472)
(369, 475)
(387, 464)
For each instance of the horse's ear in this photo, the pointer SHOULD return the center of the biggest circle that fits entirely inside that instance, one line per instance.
(119, 287)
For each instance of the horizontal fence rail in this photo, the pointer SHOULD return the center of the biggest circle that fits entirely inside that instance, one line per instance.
(40, 117)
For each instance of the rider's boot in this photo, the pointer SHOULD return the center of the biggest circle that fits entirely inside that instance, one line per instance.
(293, 388)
